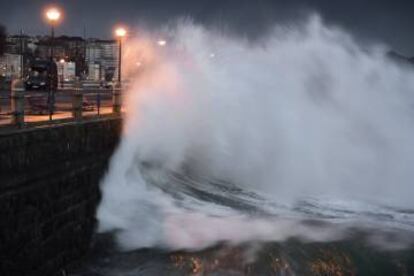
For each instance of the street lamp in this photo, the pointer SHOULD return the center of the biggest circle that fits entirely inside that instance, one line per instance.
(53, 16)
(162, 42)
(120, 33)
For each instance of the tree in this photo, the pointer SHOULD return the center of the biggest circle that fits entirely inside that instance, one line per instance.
(2, 39)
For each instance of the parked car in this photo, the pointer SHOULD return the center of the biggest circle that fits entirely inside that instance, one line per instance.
(42, 75)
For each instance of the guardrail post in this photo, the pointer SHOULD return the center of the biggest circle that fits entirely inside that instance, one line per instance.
(98, 101)
(77, 101)
(17, 102)
(116, 98)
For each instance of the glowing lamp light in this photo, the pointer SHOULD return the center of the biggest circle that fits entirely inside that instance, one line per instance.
(162, 42)
(120, 32)
(62, 61)
(53, 14)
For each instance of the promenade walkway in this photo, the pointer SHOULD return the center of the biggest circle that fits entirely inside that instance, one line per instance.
(90, 103)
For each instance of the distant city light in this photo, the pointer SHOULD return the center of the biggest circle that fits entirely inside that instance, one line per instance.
(53, 14)
(162, 42)
(120, 32)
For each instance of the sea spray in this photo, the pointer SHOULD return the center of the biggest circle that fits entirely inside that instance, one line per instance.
(305, 125)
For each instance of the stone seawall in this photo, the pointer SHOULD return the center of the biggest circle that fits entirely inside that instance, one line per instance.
(49, 191)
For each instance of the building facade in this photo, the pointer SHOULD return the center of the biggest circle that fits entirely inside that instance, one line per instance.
(102, 54)
(94, 59)
(10, 66)
(69, 49)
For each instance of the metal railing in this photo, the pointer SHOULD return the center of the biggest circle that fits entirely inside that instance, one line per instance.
(20, 108)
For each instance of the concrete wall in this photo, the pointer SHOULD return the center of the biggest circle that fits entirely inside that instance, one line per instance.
(49, 192)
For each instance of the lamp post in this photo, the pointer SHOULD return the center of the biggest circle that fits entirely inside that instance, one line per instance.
(62, 67)
(120, 33)
(22, 55)
(53, 16)
(116, 96)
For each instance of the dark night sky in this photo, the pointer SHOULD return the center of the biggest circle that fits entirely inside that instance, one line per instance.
(389, 21)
